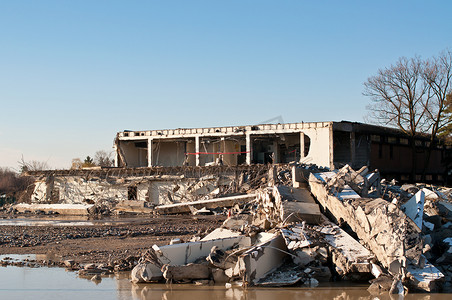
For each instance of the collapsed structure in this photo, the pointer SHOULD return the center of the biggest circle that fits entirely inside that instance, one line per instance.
(325, 144)
(300, 213)
(284, 239)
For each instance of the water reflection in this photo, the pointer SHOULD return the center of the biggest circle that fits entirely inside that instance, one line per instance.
(190, 292)
(57, 283)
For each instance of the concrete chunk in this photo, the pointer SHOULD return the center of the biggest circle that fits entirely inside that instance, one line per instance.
(414, 208)
(260, 260)
(184, 253)
(178, 208)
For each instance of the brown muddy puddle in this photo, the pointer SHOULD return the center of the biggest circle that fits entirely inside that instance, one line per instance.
(57, 283)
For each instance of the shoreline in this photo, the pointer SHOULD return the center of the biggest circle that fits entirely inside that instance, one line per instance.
(110, 245)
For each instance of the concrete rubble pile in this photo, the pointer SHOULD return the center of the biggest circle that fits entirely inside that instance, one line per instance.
(143, 190)
(280, 236)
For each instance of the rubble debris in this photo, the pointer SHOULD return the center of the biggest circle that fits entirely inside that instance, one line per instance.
(414, 208)
(296, 205)
(277, 236)
(424, 278)
(348, 176)
(286, 275)
(380, 284)
(132, 206)
(149, 269)
(350, 258)
(178, 208)
(185, 272)
(372, 220)
(398, 248)
(288, 204)
(262, 259)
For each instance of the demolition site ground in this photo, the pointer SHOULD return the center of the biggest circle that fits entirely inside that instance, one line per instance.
(119, 242)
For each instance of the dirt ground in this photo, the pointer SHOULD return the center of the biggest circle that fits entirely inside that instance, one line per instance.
(102, 243)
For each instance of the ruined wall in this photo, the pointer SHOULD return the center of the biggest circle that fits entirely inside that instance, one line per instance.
(76, 190)
(134, 156)
(168, 154)
(320, 151)
(373, 221)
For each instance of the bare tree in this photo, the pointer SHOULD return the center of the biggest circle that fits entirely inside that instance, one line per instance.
(76, 164)
(103, 158)
(399, 98)
(438, 75)
(446, 132)
(32, 165)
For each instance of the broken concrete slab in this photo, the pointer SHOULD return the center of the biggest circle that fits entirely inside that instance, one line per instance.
(288, 204)
(348, 256)
(184, 253)
(283, 276)
(373, 221)
(299, 211)
(414, 208)
(63, 209)
(237, 222)
(347, 176)
(184, 207)
(260, 260)
(426, 279)
(186, 272)
(346, 191)
(220, 233)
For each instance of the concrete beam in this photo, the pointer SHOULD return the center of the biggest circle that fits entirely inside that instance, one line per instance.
(211, 203)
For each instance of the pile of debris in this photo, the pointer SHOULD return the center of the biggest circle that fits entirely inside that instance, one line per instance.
(279, 236)
(104, 191)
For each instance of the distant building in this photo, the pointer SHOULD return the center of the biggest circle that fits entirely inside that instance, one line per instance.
(326, 144)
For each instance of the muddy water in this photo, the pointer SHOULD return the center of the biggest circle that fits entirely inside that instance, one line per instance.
(57, 283)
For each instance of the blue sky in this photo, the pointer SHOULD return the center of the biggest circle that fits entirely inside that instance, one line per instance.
(73, 73)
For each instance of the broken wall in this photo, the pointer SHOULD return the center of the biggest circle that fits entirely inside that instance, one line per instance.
(373, 221)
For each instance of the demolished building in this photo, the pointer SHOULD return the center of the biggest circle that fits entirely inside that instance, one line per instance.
(325, 144)
(269, 174)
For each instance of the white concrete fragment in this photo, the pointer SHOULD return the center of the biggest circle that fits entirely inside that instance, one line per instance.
(376, 270)
(262, 259)
(429, 194)
(425, 278)
(349, 255)
(220, 233)
(414, 208)
(182, 254)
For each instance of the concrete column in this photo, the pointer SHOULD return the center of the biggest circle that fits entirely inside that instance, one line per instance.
(248, 149)
(116, 156)
(331, 146)
(150, 152)
(352, 149)
(302, 145)
(275, 152)
(197, 149)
